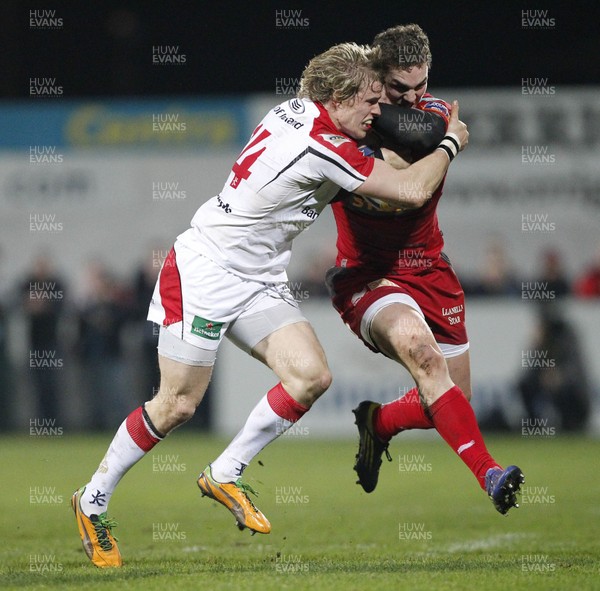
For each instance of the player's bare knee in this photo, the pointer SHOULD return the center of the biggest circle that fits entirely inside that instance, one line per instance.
(183, 408)
(324, 381)
(426, 361)
(309, 385)
(174, 406)
(316, 383)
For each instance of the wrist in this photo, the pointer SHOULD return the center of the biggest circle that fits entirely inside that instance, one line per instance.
(450, 144)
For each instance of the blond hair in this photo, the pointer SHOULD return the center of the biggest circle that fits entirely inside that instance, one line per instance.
(338, 73)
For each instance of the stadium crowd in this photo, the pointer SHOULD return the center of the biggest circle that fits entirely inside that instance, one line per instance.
(100, 335)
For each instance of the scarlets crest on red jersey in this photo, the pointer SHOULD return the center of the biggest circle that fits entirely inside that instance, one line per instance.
(294, 164)
(383, 237)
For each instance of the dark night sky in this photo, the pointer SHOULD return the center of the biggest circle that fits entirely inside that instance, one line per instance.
(104, 47)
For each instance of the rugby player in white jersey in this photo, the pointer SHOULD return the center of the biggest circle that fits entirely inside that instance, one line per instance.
(226, 276)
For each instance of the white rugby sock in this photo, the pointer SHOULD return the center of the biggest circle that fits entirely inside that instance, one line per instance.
(133, 440)
(274, 414)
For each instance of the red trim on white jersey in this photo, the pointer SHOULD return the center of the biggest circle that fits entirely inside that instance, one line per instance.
(169, 284)
(327, 134)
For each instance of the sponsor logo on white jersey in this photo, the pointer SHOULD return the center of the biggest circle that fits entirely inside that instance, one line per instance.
(296, 105)
(336, 140)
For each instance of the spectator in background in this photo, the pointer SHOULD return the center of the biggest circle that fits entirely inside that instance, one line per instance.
(554, 381)
(143, 288)
(7, 388)
(497, 276)
(553, 273)
(42, 298)
(588, 285)
(101, 318)
(6, 375)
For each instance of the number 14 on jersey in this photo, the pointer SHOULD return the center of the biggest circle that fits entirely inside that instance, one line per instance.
(241, 169)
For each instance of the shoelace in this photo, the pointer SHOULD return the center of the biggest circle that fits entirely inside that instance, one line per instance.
(246, 488)
(386, 446)
(387, 453)
(103, 527)
(494, 476)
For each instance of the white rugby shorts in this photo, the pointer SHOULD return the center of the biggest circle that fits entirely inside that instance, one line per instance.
(197, 302)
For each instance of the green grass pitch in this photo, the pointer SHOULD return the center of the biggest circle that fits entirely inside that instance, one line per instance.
(427, 526)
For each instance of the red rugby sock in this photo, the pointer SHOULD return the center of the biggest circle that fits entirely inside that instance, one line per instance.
(455, 421)
(402, 414)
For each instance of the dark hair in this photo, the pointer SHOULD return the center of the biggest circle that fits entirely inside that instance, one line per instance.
(402, 46)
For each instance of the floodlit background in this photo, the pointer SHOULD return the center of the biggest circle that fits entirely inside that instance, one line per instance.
(119, 119)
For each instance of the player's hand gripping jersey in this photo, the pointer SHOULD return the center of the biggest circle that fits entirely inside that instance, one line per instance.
(294, 164)
(385, 239)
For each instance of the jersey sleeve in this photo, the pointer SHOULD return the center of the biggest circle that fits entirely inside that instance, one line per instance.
(338, 159)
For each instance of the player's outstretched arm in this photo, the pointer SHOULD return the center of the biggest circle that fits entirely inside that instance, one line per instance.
(415, 185)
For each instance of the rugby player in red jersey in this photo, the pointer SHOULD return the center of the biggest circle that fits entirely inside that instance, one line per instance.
(397, 291)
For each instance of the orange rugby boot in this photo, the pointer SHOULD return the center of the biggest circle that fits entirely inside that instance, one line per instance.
(234, 496)
(96, 537)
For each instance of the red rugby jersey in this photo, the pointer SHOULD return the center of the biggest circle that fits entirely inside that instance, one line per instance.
(384, 238)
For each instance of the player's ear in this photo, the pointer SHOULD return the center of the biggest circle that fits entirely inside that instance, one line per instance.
(335, 102)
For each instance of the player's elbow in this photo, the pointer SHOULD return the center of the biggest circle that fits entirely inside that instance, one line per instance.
(413, 195)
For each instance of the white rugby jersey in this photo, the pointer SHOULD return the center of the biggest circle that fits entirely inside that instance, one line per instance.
(293, 165)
